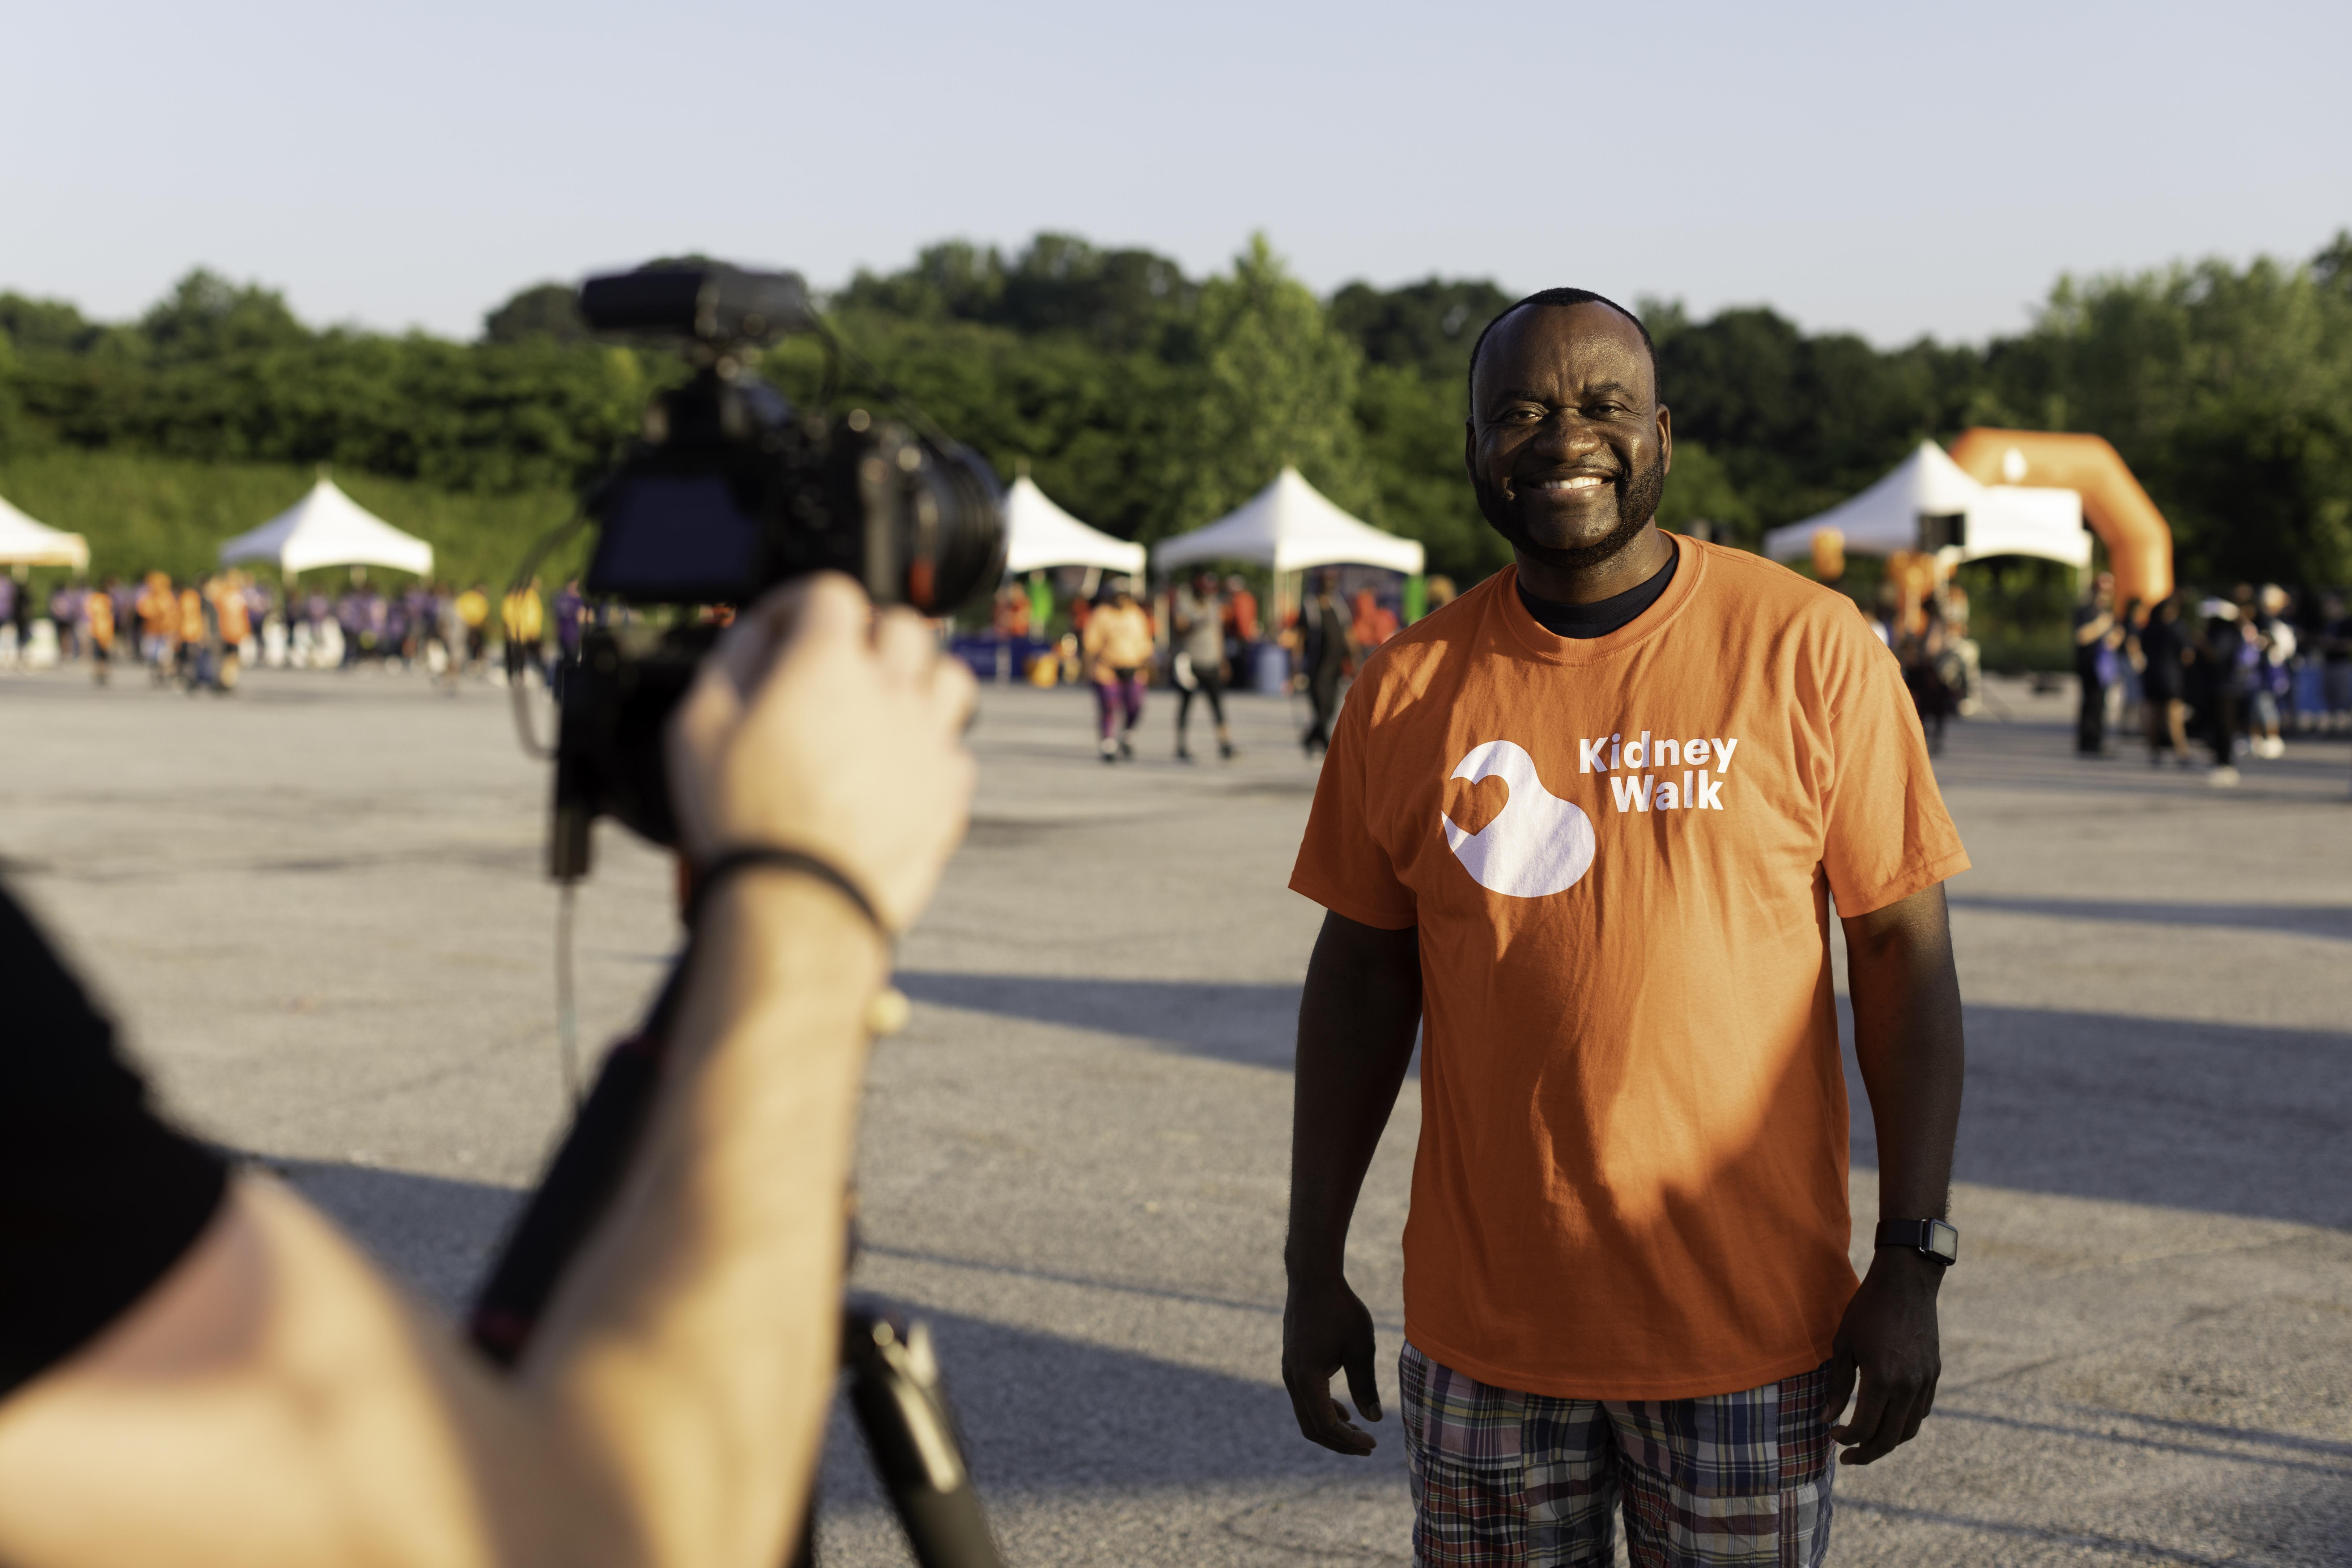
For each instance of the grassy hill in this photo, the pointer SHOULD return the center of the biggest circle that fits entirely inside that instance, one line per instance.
(142, 512)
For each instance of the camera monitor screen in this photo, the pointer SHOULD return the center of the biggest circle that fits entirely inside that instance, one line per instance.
(678, 539)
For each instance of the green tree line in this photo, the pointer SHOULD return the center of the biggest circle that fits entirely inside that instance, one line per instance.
(1149, 402)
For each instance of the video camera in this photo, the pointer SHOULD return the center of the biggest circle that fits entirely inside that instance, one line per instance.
(729, 490)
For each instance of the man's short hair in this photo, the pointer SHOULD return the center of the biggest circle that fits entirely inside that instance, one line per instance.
(1561, 297)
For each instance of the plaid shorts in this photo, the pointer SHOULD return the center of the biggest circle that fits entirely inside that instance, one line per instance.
(1529, 1480)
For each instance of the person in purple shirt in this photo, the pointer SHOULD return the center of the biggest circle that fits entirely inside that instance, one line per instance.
(571, 614)
(394, 640)
(418, 602)
(125, 595)
(375, 623)
(65, 613)
(257, 603)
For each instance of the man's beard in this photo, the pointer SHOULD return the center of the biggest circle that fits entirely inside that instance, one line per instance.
(1637, 503)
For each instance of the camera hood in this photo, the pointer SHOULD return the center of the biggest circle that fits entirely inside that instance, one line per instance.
(714, 304)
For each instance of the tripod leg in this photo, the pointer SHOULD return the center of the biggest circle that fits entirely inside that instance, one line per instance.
(895, 1390)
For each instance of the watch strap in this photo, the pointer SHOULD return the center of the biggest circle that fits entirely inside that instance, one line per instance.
(1934, 1239)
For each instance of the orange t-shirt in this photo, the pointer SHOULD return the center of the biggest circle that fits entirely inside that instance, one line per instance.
(236, 621)
(1631, 1179)
(159, 607)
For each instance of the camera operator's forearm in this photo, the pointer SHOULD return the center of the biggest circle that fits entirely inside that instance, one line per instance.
(274, 1400)
(692, 1350)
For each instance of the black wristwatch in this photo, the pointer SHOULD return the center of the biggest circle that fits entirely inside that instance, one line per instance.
(1933, 1239)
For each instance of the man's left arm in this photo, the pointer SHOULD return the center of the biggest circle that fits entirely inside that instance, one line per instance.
(1906, 1035)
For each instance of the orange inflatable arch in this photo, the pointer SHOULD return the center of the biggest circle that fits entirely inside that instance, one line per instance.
(2139, 541)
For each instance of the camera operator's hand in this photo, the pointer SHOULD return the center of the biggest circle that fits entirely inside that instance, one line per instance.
(820, 726)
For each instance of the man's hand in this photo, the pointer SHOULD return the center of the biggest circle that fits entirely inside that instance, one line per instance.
(1325, 1329)
(1889, 1335)
(818, 725)
(1357, 1019)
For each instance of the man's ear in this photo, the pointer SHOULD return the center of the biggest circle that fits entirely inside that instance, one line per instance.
(1665, 439)
(1470, 449)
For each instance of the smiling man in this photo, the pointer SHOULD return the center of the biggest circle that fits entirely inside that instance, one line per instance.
(1581, 829)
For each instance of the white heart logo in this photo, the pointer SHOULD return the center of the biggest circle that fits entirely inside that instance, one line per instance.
(1538, 845)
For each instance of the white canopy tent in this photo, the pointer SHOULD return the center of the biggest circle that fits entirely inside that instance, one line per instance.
(1038, 534)
(1290, 526)
(327, 528)
(1993, 519)
(24, 542)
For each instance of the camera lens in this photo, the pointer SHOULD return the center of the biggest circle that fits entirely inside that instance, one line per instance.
(953, 546)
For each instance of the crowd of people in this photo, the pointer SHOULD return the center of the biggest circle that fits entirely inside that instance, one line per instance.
(1214, 640)
(199, 634)
(2229, 677)
(2237, 672)
(2223, 678)
(1922, 616)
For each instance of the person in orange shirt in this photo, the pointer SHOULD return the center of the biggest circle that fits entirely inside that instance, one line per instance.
(1241, 610)
(226, 596)
(98, 614)
(1375, 621)
(159, 626)
(1119, 644)
(1009, 616)
(1579, 830)
(195, 639)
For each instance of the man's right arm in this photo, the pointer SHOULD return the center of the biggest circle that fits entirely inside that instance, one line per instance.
(1357, 1022)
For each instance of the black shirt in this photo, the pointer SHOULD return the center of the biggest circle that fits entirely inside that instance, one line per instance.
(1601, 616)
(98, 1197)
(2086, 654)
(2159, 651)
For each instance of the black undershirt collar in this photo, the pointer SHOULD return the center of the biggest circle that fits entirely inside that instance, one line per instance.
(1601, 616)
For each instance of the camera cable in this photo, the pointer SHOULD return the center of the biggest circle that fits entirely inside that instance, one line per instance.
(567, 1002)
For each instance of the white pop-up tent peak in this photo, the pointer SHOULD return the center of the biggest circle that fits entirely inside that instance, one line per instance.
(1995, 519)
(1290, 526)
(328, 528)
(24, 542)
(1039, 533)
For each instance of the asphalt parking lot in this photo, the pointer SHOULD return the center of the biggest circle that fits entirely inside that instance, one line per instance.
(318, 908)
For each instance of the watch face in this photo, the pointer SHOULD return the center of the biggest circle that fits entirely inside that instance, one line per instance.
(1943, 1240)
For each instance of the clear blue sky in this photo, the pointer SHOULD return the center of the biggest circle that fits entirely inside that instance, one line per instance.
(1895, 170)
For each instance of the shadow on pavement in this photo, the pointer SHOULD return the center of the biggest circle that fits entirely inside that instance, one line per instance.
(2216, 1118)
(2072, 1542)
(2224, 1118)
(1251, 1023)
(1041, 1413)
(2303, 919)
